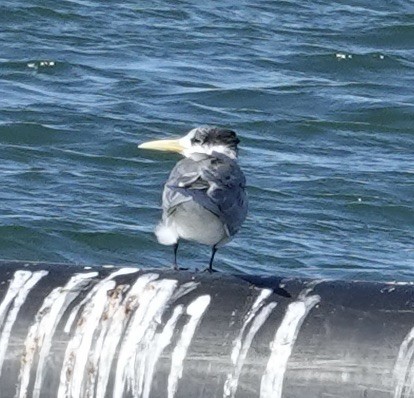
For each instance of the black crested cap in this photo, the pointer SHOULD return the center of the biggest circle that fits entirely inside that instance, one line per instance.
(215, 136)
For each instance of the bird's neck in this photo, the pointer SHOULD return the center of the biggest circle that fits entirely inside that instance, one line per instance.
(224, 150)
(217, 151)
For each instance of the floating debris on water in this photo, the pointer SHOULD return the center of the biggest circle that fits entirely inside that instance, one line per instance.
(41, 64)
(340, 56)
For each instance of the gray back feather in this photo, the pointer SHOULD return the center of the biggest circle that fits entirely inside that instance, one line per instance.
(215, 182)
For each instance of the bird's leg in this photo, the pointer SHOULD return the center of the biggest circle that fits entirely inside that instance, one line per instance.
(175, 265)
(175, 257)
(210, 265)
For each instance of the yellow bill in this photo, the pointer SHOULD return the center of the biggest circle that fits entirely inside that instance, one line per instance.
(163, 145)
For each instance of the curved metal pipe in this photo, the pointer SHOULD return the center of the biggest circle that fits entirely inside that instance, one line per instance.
(70, 331)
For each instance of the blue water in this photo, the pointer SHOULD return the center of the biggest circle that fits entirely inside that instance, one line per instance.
(320, 93)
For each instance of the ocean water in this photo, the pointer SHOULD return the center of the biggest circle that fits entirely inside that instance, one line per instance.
(321, 94)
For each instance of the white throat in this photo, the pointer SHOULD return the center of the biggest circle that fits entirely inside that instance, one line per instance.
(221, 149)
(225, 150)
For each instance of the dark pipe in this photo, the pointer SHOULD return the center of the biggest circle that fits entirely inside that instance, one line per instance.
(114, 332)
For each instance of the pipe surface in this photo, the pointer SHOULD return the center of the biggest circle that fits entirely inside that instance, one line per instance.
(71, 331)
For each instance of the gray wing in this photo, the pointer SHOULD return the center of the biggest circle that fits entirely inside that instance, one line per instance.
(215, 182)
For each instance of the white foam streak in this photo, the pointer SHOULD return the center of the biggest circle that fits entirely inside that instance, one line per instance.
(18, 281)
(184, 289)
(161, 342)
(41, 332)
(196, 311)
(23, 285)
(133, 354)
(403, 371)
(282, 345)
(116, 328)
(94, 304)
(78, 348)
(231, 383)
(113, 305)
(264, 294)
(74, 313)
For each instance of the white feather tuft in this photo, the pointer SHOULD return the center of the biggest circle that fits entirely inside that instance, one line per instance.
(166, 234)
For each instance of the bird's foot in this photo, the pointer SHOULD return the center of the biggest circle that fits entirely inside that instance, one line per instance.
(209, 270)
(177, 268)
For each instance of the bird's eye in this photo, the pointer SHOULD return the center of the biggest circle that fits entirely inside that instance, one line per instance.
(196, 140)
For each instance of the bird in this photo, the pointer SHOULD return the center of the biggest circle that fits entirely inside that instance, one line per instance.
(204, 199)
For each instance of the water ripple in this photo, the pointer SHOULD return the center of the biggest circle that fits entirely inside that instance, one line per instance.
(325, 119)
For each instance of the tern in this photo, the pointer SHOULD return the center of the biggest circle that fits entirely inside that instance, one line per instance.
(204, 199)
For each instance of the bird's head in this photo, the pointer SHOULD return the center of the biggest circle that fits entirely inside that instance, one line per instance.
(199, 140)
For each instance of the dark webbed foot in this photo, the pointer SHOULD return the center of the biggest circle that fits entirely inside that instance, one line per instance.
(177, 268)
(210, 270)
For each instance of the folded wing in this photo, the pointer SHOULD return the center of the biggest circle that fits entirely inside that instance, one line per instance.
(215, 182)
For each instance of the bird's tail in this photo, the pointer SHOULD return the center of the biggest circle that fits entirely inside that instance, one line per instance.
(166, 234)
